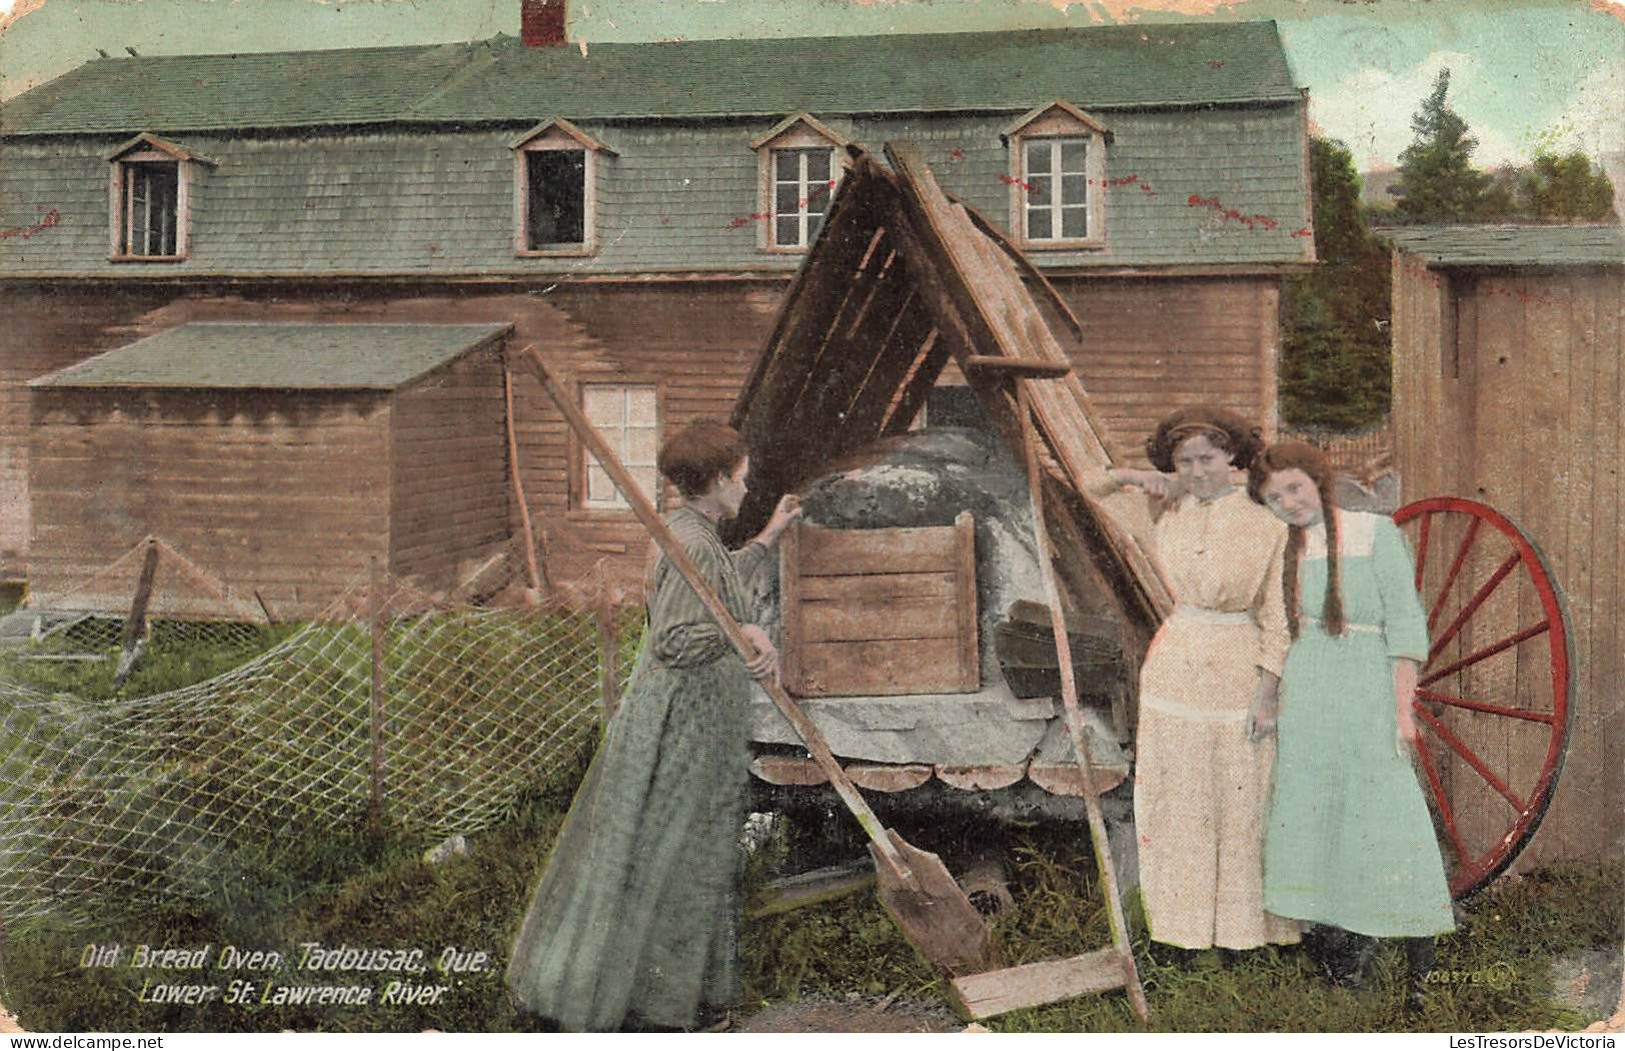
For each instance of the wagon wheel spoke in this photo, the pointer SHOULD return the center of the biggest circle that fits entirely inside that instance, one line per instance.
(1446, 814)
(1478, 599)
(1482, 706)
(1422, 549)
(1455, 571)
(1472, 760)
(1487, 652)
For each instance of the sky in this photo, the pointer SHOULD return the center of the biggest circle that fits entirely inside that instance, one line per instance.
(1525, 74)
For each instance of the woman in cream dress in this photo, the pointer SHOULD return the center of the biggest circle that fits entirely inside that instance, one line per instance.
(1207, 690)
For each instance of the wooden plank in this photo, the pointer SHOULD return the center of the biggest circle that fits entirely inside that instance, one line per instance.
(1548, 506)
(787, 770)
(1035, 984)
(970, 654)
(939, 587)
(811, 888)
(888, 777)
(1607, 530)
(984, 778)
(790, 602)
(863, 669)
(876, 620)
(1063, 779)
(851, 552)
(1034, 368)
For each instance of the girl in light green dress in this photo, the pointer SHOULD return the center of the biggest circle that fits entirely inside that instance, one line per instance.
(1348, 842)
(635, 921)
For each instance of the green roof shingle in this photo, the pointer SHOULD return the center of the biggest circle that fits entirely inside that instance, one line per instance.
(1466, 246)
(501, 80)
(209, 355)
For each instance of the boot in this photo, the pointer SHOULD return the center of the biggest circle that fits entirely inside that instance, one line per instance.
(1419, 958)
(1343, 956)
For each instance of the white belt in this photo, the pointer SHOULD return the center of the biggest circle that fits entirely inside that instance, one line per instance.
(1192, 712)
(1212, 616)
(1374, 629)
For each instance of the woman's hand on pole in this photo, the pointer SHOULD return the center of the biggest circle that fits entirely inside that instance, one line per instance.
(1266, 707)
(1405, 672)
(1155, 483)
(764, 665)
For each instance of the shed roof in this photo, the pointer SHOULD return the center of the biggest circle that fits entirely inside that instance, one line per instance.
(224, 356)
(1505, 245)
(501, 80)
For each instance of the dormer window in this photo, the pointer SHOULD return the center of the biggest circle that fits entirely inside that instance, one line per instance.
(150, 200)
(799, 169)
(1057, 178)
(555, 190)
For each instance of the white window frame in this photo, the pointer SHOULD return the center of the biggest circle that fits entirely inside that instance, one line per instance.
(1058, 123)
(126, 161)
(556, 134)
(797, 132)
(619, 441)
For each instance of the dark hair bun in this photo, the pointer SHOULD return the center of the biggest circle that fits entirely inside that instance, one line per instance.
(1228, 430)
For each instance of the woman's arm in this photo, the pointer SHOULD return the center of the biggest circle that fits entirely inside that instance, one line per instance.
(1405, 672)
(1404, 624)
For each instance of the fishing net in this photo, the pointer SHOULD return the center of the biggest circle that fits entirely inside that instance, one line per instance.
(393, 710)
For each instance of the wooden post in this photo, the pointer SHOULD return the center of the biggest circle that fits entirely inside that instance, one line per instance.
(1074, 715)
(532, 574)
(376, 606)
(135, 625)
(609, 652)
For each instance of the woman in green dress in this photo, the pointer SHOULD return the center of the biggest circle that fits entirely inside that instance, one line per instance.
(635, 919)
(1348, 843)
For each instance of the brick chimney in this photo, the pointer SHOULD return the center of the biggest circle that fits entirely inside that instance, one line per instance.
(541, 22)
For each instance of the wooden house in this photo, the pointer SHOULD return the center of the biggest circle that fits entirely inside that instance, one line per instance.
(637, 211)
(1507, 390)
(282, 459)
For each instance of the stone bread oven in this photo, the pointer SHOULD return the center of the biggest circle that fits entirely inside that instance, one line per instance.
(997, 739)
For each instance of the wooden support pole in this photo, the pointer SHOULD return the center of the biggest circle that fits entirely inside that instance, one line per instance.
(532, 573)
(135, 625)
(1074, 714)
(376, 612)
(609, 652)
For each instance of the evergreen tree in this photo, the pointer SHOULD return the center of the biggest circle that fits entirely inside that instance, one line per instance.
(1437, 180)
(1567, 187)
(1334, 339)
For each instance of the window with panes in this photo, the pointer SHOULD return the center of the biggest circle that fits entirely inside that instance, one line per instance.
(803, 182)
(628, 417)
(149, 208)
(1055, 180)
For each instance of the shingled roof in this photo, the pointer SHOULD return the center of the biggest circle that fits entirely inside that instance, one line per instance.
(500, 80)
(209, 355)
(1506, 245)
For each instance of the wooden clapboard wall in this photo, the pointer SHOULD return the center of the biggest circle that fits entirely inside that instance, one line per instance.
(1507, 389)
(870, 612)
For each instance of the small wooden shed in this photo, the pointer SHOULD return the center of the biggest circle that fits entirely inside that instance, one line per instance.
(1507, 390)
(278, 458)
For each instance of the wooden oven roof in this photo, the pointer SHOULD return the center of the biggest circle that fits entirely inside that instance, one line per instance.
(901, 279)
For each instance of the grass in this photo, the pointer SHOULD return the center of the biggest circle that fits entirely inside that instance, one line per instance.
(333, 886)
(347, 892)
(1499, 959)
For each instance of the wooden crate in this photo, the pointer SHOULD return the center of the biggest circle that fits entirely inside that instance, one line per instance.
(875, 612)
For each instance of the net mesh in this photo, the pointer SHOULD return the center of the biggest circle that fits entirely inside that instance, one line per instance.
(392, 710)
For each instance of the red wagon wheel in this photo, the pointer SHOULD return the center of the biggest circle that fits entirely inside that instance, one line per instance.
(1496, 695)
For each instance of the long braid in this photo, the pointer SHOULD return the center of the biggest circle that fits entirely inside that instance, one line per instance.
(1289, 578)
(1331, 611)
(1287, 456)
